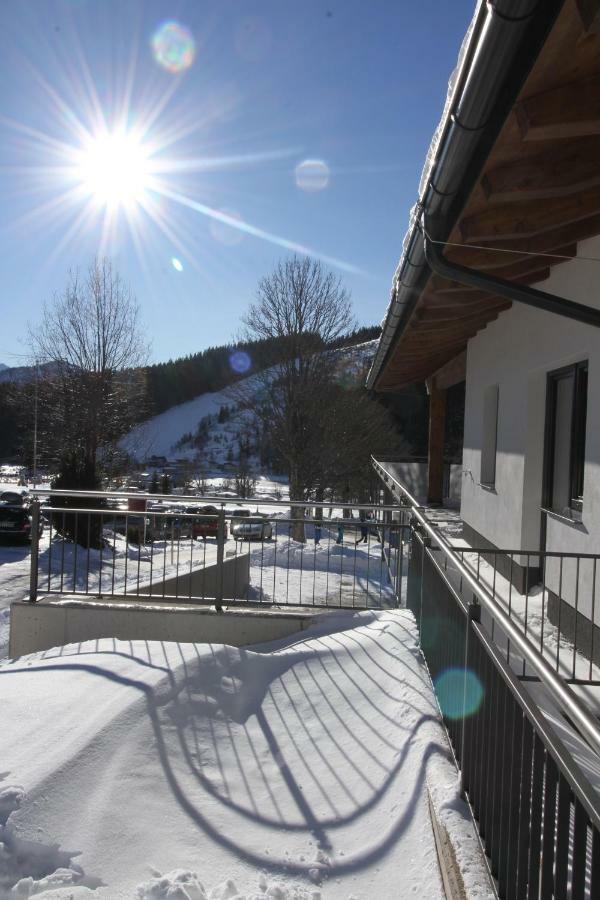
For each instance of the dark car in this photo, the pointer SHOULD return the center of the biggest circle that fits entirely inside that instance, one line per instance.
(14, 498)
(15, 522)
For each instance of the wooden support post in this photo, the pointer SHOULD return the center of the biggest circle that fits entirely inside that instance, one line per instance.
(435, 456)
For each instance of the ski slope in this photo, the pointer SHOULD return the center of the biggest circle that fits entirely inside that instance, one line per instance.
(159, 435)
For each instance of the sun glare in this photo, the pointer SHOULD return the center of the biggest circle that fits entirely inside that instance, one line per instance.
(114, 170)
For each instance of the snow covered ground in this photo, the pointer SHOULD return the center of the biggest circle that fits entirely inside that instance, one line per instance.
(295, 770)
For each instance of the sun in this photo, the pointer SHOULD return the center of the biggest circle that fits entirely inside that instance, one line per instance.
(113, 169)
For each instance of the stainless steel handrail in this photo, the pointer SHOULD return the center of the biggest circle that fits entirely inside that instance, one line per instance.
(206, 500)
(561, 693)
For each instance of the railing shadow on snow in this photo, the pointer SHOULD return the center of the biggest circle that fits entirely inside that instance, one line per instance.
(237, 708)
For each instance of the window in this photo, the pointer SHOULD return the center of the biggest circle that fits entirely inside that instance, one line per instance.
(490, 435)
(566, 406)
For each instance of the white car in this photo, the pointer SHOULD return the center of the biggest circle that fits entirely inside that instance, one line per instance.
(254, 528)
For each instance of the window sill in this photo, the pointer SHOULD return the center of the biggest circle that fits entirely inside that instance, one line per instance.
(490, 487)
(575, 519)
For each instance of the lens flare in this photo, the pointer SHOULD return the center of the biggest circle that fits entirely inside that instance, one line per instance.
(240, 362)
(177, 264)
(459, 693)
(173, 47)
(227, 234)
(113, 169)
(312, 175)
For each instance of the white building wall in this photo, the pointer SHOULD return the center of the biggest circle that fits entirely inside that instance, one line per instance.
(516, 352)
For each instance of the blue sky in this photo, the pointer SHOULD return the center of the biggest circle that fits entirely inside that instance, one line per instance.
(357, 84)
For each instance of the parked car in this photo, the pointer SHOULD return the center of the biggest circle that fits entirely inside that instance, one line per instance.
(15, 522)
(206, 522)
(253, 528)
(238, 516)
(15, 498)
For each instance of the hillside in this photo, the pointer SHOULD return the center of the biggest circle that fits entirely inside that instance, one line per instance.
(164, 434)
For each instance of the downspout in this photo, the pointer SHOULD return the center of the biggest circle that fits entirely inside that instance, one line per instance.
(518, 293)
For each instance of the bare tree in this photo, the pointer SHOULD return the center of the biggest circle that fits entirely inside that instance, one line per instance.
(91, 337)
(306, 309)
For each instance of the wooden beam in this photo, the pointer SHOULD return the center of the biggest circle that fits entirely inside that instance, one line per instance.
(569, 111)
(453, 372)
(514, 220)
(458, 314)
(435, 450)
(457, 324)
(535, 277)
(589, 13)
(524, 275)
(483, 260)
(570, 166)
(469, 297)
(544, 241)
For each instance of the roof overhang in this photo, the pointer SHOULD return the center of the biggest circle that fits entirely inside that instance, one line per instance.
(524, 178)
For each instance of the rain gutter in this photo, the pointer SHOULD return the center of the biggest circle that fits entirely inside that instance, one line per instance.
(519, 293)
(507, 38)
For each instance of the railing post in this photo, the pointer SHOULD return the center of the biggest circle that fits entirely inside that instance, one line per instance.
(220, 559)
(35, 550)
(473, 615)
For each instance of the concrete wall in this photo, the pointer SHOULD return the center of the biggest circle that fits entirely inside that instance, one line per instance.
(54, 623)
(516, 352)
(203, 582)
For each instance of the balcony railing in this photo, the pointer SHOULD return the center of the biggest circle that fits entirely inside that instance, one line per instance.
(335, 555)
(527, 745)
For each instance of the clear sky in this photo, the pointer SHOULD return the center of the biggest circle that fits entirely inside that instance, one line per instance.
(145, 130)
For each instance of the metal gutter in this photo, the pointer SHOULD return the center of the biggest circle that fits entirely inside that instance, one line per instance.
(519, 293)
(506, 40)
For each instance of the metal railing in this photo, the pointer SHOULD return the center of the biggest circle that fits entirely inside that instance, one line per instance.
(553, 602)
(524, 758)
(326, 554)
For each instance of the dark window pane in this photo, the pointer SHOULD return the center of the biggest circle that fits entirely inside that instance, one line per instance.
(563, 417)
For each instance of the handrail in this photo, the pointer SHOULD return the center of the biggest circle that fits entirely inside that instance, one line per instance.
(110, 513)
(208, 500)
(561, 693)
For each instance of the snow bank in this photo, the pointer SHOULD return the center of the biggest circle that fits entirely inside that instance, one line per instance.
(295, 770)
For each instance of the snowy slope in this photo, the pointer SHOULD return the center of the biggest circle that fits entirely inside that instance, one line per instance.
(294, 771)
(159, 435)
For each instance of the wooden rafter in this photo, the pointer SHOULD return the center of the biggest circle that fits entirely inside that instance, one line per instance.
(565, 168)
(589, 11)
(568, 111)
(543, 242)
(524, 219)
(525, 275)
(458, 314)
(500, 262)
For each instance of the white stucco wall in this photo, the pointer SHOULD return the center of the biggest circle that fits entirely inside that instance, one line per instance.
(516, 352)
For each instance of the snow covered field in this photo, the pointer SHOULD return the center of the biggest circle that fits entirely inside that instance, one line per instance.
(295, 770)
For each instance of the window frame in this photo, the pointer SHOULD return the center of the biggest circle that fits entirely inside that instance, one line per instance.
(579, 371)
(487, 466)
